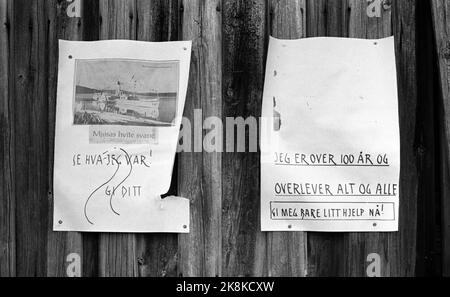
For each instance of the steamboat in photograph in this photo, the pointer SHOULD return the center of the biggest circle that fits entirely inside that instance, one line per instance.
(125, 93)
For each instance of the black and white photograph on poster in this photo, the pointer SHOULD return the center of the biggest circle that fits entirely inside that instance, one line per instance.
(126, 92)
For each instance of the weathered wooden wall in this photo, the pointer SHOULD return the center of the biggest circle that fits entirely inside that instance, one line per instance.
(441, 15)
(226, 80)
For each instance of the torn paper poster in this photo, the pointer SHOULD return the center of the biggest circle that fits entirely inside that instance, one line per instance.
(119, 111)
(331, 153)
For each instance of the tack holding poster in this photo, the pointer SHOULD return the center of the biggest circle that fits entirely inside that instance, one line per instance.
(331, 154)
(119, 111)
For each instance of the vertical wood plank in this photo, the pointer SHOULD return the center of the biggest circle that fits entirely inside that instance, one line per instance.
(61, 26)
(402, 245)
(286, 251)
(346, 254)
(362, 26)
(30, 109)
(327, 18)
(157, 253)
(441, 21)
(244, 46)
(200, 174)
(117, 252)
(288, 19)
(428, 242)
(7, 199)
(157, 20)
(337, 16)
(57, 243)
(445, 193)
(91, 24)
(118, 19)
(316, 24)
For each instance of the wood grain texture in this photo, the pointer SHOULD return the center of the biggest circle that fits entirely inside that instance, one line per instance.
(316, 12)
(362, 26)
(288, 19)
(200, 174)
(91, 32)
(445, 193)
(157, 20)
(327, 18)
(29, 95)
(286, 251)
(157, 253)
(117, 252)
(402, 245)
(62, 244)
(90, 257)
(441, 21)
(58, 243)
(118, 19)
(244, 52)
(7, 199)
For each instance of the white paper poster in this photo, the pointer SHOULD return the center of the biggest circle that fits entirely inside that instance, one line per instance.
(119, 110)
(331, 156)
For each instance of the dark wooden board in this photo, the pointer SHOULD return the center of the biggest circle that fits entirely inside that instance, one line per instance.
(200, 174)
(244, 30)
(29, 108)
(7, 199)
(441, 20)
